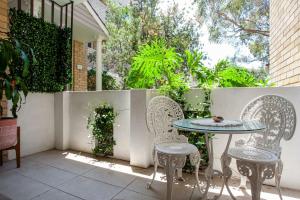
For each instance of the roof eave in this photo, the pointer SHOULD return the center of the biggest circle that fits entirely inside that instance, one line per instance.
(97, 18)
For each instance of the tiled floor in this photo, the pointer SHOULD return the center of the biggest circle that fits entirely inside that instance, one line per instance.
(58, 175)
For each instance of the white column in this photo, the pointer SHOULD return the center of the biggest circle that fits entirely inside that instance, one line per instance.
(99, 64)
(141, 141)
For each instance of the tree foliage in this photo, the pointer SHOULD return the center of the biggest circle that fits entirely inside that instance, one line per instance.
(155, 66)
(240, 22)
(227, 74)
(108, 81)
(140, 23)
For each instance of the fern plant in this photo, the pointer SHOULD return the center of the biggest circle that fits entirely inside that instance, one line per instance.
(156, 66)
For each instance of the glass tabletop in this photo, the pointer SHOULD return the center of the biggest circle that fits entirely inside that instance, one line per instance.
(249, 126)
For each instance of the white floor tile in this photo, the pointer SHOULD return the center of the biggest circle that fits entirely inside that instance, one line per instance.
(89, 189)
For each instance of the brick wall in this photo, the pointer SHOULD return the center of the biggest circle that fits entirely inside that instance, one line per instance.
(3, 17)
(285, 42)
(79, 75)
(3, 28)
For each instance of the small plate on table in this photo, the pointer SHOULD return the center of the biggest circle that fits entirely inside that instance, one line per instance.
(211, 122)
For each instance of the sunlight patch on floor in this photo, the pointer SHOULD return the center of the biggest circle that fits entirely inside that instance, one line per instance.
(144, 173)
(113, 166)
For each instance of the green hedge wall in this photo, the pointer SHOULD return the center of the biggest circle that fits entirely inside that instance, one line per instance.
(52, 49)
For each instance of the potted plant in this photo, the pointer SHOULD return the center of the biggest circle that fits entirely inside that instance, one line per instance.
(14, 67)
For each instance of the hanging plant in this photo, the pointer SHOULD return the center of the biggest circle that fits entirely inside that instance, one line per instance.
(101, 122)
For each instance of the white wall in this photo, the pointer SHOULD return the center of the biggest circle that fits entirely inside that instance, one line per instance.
(59, 120)
(77, 106)
(230, 102)
(36, 119)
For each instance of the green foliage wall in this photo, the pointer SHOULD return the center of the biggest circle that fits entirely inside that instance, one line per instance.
(52, 48)
(101, 122)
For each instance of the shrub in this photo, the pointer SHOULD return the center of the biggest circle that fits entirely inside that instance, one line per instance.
(108, 82)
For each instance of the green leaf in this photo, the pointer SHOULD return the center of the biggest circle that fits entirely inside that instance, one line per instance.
(25, 64)
(16, 98)
(24, 88)
(8, 92)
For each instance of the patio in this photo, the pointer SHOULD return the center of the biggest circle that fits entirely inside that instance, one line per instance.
(73, 175)
(55, 140)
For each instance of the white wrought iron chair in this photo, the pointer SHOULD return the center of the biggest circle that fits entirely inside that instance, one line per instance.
(258, 158)
(170, 149)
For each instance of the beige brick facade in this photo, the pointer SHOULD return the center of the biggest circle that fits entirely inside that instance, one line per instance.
(285, 42)
(79, 75)
(3, 17)
(3, 30)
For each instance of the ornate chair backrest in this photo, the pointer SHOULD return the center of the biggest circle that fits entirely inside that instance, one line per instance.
(279, 116)
(161, 112)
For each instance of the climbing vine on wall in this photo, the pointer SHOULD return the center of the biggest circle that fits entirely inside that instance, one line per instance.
(52, 47)
(101, 122)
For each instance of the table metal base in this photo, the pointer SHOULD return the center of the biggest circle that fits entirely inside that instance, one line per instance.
(210, 172)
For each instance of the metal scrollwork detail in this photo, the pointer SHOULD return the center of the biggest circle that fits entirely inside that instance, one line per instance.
(268, 171)
(278, 114)
(161, 112)
(195, 158)
(258, 158)
(167, 160)
(227, 172)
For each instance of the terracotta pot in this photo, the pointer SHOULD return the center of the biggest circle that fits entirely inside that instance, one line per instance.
(8, 133)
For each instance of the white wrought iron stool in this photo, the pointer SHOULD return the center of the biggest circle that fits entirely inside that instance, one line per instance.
(170, 149)
(258, 158)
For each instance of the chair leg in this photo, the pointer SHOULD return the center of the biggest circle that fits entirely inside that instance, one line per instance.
(179, 175)
(243, 183)
(197, 177)
(278, 173)
(256, 182)
(1, 158)
(18, 154)
(170, 175)
(255, 174)
(155, 170)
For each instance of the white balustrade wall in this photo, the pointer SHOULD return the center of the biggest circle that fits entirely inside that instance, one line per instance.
(74, 109)
(36, 120)
(59, 121)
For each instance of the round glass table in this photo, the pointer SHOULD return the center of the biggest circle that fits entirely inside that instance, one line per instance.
(228, 127)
